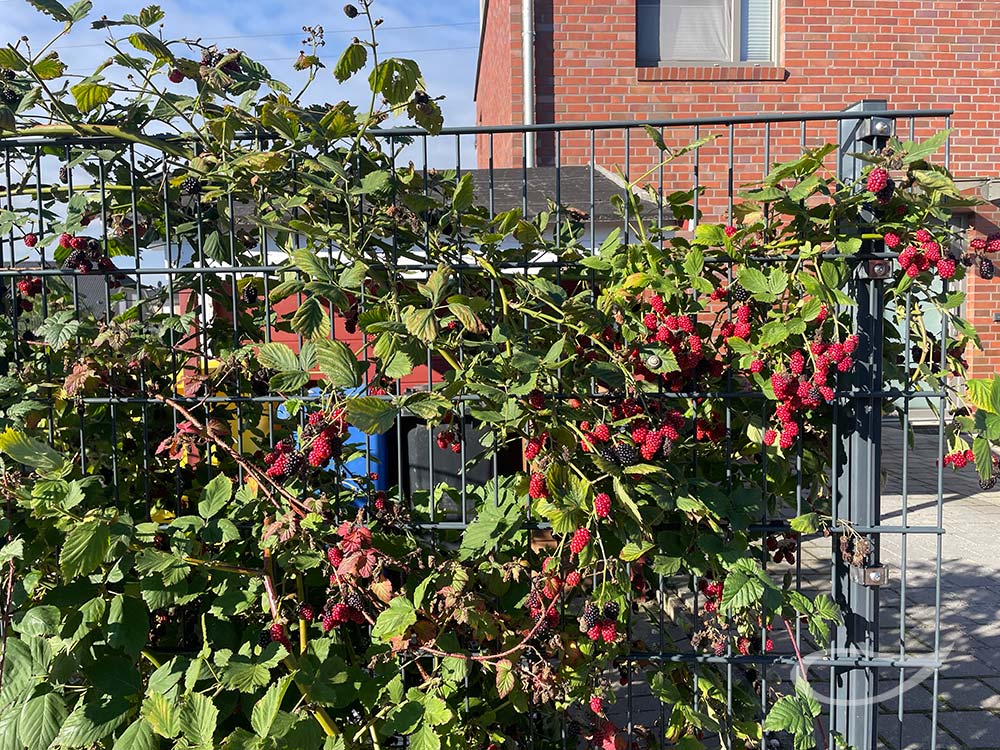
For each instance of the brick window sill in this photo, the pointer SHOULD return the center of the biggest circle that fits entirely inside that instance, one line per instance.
(712, 73)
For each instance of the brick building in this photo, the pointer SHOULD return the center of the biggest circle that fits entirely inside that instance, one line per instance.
(675, 59)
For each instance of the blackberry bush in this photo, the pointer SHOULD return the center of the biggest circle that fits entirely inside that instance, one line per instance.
(214, 575)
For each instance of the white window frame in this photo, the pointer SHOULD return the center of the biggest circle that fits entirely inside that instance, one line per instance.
(735, 44)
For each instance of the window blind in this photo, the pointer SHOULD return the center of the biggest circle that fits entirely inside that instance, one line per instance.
(755, 30)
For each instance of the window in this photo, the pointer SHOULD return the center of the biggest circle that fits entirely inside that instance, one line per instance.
(705, 31)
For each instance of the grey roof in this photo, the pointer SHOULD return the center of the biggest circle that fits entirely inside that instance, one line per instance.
(572, 183)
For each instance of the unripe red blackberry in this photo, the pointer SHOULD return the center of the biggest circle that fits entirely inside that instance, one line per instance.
(946, 268)
(30, 239)
(993, 243)
(597, 705)
(770, 435)
(328, 622)
(537, 486)
(536, 400)
(797, 363)
(306, 612)
(730, 230)
(532, 448)
(580, 540)
(602, 432)
(743, 646)
(572, 579)
(977, 245)
(756, 366)
(602, 505)
(175, 76)
(334, 556)
(341, 612)
(922, 235)
(891, 240)
(277, 632)
(877, 180)
(609, 631)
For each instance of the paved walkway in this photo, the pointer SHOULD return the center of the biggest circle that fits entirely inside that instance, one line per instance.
(968, 700)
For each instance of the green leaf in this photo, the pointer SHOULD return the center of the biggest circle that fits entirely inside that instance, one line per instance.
(161, 715)
(90, 95)
(41, 718)
(807, 523)
(245, 676)
(395, 79)
(215, 496)
(54, 9)
(984, 457)
(920, 151)
(773, 333)
(138, 736)
(92, 721)
(339, 364)
(288, 382)
(278, 357)
(197, 720)
(656, 136)
(30, 452)
(80, 9)
(422, 324)
(266, 709)
(395, 620)
(825, 612)
(425, 738)
(128, 624)
(746, 586)
(309, 319)
(59, 329)
(371, 414)
(10, 59)
(464, 193)
(373, 182)
(146, 42)
(84, 549)
(49, 68)
(8, 123)
(351, 60)
(506, 678)
(41, 620)
(794, 714)
(753, 280)
(633, 551)
(982, 393)
(694, 262)
(710, 235)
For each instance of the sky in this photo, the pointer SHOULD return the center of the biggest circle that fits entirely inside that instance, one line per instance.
(441, 35)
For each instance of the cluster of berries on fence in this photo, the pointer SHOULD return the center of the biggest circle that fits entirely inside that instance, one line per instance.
(320, 440)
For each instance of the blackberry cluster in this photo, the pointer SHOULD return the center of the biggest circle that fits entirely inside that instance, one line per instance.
(8, 94)
(249, 294)
(738, 293)
(986, 269)
(210, 57)
(621, 454)
(191, 186)
(353, 600)
(87, 254)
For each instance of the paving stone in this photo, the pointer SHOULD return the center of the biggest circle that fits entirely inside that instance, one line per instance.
(976, 729)
(966, 694)
(916, 732)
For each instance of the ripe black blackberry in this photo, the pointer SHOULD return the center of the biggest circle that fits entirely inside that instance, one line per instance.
(968, 260)
(6, 75)
(249, 295)
(264, 638)
(988, 484)
(623, 454)
(76, 259)
(986, 269)
(815, 394)
(885, 194)
(353, 600)
(350, 11)
(63, 174)
(161, 541)
(611, 610)
(294, 462)
(8, 95)
(590, 615)
(191, 186)
(738, 293)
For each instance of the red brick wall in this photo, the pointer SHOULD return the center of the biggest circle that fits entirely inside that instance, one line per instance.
(914, 54)
(499, 85)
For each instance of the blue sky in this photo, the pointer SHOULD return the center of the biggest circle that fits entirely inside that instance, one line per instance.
(441, 35)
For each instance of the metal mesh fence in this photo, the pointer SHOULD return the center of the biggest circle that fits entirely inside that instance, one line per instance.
(164, 261)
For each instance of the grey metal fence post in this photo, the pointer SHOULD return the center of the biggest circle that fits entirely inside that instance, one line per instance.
(857, 482)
